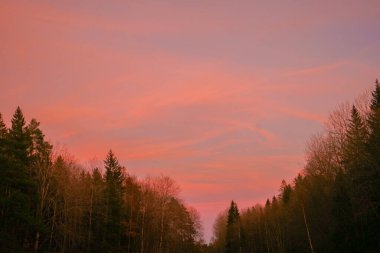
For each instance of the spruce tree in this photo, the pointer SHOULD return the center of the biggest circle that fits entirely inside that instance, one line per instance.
(374, 125)
(372, 175)
(285, 192)
(114, 190)
(355, 153)
(39, 148)
(233, 240)
(19, 188)
(19, 138)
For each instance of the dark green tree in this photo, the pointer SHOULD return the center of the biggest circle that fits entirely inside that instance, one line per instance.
(285, 192)
(233, 240)
(52, 204)
(39, 148)
(355, 156)
(18, 188)
(374, 128)
(114, 189)
(96, 212)
(40, 169)
(371, 177)
(20, 140)
(344, 238)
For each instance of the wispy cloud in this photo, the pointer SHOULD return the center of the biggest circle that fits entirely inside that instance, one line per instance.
(221, 97)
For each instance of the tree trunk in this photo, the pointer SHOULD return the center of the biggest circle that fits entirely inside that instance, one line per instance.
(130, 228)
(307, 229)
(162, 229)
(52, 226)
(142, 230)
(36, 242)
(90, 221)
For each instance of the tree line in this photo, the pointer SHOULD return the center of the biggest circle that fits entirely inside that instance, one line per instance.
(49, 203)
(332, 206)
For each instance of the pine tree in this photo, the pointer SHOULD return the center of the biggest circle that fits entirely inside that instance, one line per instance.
(114, 190)
(233, 240)
(19, 138)
(114, 175)
(285, 192)
(371, 178)
(374, 140)
(374, 126)
(355, 153)
(40, 168)
(18, 188)
(39, 148)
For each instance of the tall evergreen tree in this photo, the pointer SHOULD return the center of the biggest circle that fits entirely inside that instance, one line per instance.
(114, 190)
(39, 148)
(233, 240)
(374, 125)
(19, 188)
(371, 178)
(355, 155)
(19, 138)
(40, 168)
(356, 161)
(285, 192)
(52, 205)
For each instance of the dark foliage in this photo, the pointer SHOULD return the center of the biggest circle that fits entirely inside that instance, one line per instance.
(333, 205)
(48, 203)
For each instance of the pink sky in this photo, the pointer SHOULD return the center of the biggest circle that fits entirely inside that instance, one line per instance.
(220, 96)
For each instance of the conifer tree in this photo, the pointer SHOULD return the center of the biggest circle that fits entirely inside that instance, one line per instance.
(233, 240)
(374, 126)
(371, 178)
(114, 189)
(355, 153)
(19, 138)
(53, 205)
(285, 192)
(19, 187)
(39, 148)
(40, 168)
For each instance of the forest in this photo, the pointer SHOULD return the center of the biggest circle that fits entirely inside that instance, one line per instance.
(333, 205)
(50, 203)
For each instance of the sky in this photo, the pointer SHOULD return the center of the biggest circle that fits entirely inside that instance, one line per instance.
(222, 96)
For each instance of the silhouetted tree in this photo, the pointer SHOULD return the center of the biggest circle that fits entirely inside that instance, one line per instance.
(49, 203)
(233, 242)
(334, 204)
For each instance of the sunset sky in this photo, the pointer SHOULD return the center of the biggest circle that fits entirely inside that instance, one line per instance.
(219, 95)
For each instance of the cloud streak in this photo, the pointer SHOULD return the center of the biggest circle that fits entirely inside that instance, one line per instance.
(220, 97)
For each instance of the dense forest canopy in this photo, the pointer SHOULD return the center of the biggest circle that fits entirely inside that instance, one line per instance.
(333, 205)
(49, 203)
